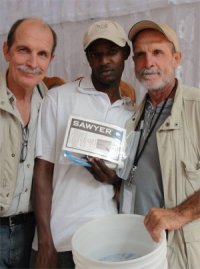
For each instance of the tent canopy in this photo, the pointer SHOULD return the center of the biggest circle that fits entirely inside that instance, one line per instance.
(71, 18)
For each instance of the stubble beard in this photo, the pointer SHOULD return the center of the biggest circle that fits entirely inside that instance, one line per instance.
(157, 85)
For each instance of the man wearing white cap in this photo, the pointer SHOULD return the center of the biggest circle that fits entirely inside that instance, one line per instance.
(164, 179)
(66, 194)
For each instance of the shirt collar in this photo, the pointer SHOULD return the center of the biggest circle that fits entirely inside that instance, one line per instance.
(85, 85)
(11, 97)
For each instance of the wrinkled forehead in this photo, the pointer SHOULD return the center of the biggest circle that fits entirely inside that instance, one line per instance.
(34, 33)
(149, 37)
(33, 27)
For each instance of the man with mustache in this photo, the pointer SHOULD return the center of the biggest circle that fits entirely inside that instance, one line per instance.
(28, 50)
(66, 194)
(164, 179)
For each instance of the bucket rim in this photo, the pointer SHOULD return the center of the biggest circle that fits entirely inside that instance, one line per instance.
(161, 243)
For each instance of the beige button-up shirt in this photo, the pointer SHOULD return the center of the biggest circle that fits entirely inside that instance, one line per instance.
(16, 177)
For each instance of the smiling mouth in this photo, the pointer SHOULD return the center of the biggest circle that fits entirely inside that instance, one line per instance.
(106, 72)
(29, 71)
(150, 75)
(29, 74)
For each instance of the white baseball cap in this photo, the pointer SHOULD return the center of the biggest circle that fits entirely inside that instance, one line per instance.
(105, 29)
(166, 30)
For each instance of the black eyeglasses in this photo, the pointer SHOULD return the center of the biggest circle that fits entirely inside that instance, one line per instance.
(24, 150)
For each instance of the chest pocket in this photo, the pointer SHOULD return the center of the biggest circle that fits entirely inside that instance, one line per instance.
(8, 133)
(190, 158)
(192, 178)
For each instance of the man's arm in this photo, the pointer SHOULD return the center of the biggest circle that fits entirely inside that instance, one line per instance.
(159, 219)
(42, 199)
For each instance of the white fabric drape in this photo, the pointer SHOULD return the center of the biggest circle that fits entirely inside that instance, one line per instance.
(70, 19)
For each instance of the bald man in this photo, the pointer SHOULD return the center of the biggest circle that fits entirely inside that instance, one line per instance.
(28, 50)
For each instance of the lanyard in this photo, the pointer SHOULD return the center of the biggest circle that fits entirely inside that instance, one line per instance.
(39, 90)
(139, 153)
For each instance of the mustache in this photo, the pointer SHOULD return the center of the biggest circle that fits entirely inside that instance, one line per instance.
(31, 70)
(150, 71)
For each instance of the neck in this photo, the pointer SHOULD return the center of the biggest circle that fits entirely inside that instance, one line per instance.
(23, 99)
(112, 89)
(113, 94)
(157, 96)
(20, 92)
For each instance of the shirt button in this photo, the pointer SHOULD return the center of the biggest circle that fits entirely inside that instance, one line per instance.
(26, 190)
(167, 124)
(28, 165)
(7, 194)
(13, 155)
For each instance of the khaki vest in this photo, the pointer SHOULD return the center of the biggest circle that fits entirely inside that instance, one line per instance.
(10, 146)
(178, 142)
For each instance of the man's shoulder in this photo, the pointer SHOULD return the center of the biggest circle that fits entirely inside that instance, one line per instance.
(3, 86)
(64, 91)
(190, 93)
(3, 77)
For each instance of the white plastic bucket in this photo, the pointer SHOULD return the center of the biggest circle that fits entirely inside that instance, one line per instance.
(118, 236)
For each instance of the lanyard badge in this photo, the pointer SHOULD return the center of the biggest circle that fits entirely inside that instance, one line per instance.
(132, 173)
(128, 201)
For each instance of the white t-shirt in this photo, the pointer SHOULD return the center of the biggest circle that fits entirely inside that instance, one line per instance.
(77, 196)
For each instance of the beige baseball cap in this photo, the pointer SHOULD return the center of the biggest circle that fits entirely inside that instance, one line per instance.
(105, 29)
(167, 31)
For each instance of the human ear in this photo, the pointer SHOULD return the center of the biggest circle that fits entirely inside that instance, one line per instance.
(127, 51)
(177, 58)
(6, 51)
(52, 57)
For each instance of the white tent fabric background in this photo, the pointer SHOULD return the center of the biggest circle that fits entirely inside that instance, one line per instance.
(70, 19)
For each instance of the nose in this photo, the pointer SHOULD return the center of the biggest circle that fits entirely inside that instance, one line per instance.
(32, 60)
(105, 59)
(149, 61)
